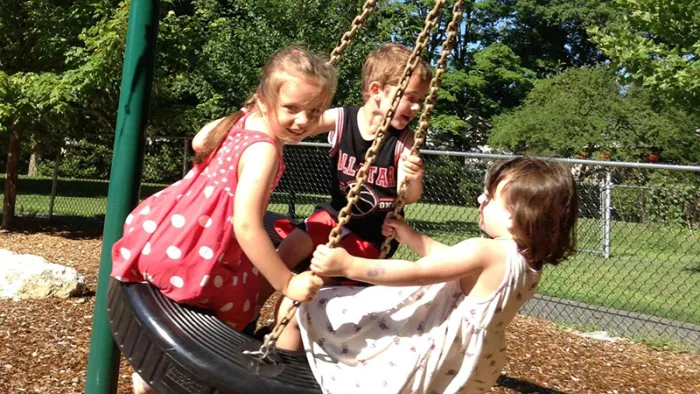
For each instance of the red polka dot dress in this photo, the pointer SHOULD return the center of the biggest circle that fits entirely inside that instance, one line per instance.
(181, 239)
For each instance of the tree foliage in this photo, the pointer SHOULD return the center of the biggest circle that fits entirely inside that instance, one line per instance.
(657, 44)
(470, 96)
(585, 113)
(548, 35)
(524, 75)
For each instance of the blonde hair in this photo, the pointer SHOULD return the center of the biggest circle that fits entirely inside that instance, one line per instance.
(288, 62)
(386, 65)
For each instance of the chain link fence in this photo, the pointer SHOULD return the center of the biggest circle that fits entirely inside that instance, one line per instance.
(72, 182)
(636, 273)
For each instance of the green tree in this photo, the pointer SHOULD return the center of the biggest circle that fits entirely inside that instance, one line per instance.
(34, 36)
(469, 97)
(484, 76)
(586, 113)
(552, 35)
(657, 44)
(212, 53)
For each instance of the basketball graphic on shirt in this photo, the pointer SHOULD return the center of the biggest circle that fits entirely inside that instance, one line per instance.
(367, 202)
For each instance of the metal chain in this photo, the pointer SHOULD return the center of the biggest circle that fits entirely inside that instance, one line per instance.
(428, 105)
(368, 7)
(354, 194)
(371, 155)
(348, 36)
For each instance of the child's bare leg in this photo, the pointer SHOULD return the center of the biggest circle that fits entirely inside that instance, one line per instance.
(293, 250)
(290, 338)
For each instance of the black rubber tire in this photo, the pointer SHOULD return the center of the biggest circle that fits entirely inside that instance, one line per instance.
(183, 350)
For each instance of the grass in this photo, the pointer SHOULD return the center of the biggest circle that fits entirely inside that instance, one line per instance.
(89, 207)
(652, 269)
(661, 343)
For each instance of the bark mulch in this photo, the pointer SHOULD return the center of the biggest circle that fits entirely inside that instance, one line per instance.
(44, 344)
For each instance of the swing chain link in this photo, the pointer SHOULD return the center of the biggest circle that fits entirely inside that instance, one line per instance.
(270, 341)
(348, 36)
(354, 194)
(428, 105)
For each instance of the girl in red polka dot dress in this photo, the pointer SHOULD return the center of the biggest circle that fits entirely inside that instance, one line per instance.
(201, 241)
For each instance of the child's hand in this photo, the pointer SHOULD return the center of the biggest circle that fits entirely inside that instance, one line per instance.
(413, 167)
(303, 287)
(402, 231)
(330, 261)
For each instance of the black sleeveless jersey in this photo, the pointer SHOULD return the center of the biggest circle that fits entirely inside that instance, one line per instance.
(378, 193)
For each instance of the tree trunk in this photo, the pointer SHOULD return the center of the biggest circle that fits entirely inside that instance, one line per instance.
(33, 170)
(8, 206)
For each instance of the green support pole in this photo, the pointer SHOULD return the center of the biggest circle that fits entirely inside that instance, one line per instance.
(125, 180)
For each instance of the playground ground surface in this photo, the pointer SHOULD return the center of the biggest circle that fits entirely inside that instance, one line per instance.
(44, 344)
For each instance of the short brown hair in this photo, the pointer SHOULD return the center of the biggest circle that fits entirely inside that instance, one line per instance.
(386, 65)
(543, 201)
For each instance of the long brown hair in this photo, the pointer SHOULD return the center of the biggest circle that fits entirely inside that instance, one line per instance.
(285, 63)
(543, 201)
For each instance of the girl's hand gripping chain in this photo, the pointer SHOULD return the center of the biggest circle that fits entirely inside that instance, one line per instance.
(303, 287)
(403, 233)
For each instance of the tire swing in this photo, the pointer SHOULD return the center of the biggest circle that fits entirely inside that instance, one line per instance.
(180, 349)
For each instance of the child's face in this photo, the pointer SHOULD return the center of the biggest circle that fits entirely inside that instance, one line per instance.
(494, 217)
(410, 102)
(298, 109)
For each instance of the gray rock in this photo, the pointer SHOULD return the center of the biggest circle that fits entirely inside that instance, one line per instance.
(28, 276)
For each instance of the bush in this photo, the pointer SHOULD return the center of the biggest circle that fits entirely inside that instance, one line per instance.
(73, 187)
(308, 171)
(453, 180)
(82, 159)
(163, 160)
(441, 183)
(92, 159)
(589, 195)
(677, 204)
(628, 203)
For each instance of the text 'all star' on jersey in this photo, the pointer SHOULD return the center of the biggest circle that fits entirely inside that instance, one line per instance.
(380, 176)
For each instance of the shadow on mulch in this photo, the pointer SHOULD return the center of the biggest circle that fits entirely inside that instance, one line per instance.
(66, 228)
(525, 387)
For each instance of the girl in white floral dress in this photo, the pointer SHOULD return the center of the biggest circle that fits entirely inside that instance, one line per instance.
(443, 331)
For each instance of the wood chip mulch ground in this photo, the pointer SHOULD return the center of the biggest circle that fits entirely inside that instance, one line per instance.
(44, 344)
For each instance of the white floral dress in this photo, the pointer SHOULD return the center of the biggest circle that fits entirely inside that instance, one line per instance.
(420, 339)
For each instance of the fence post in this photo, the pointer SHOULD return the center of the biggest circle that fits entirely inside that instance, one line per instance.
(54, 183)
(606, 214)
(184, 157)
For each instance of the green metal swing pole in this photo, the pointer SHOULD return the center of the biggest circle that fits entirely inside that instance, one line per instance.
(124, 182)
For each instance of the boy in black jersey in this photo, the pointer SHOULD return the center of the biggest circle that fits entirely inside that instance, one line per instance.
(352, 131)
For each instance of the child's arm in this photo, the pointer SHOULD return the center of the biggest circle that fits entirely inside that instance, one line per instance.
(411, 168)
(201, 136)
(327, 122)
(470, 257)
(257, 168)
